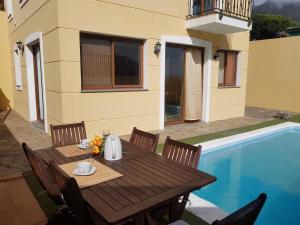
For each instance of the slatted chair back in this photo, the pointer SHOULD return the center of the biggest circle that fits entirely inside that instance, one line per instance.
(72, 195)
(42, 173)
(246, 215)
(182, 153)
(30, 155)
(144, 139)
(67, 134)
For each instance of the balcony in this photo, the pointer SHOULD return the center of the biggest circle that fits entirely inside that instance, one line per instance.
(220, 16)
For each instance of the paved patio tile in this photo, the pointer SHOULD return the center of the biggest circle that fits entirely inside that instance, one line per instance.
(8, 217)
(32, 218)
(18, 204)
(186, 130)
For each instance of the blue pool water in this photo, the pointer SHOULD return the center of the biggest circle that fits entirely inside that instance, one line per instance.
(268, 164)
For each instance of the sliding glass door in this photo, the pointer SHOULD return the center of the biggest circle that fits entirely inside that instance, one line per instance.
(183, 83)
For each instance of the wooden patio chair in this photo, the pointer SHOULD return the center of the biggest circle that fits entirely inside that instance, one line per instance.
(144, 139)
(67, 134)
(247, 215)
(72, 196)
(184, 154)
(40, 169)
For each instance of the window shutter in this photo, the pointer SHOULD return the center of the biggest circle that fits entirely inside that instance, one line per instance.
(18, 69)
(230, 68)
(96, 62)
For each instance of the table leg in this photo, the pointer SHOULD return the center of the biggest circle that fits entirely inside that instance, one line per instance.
(177, 208)
(139, 219)
(173, 210)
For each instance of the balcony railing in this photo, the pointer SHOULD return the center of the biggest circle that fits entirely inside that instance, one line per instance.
(240, 9)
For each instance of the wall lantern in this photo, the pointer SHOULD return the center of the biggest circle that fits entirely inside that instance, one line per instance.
(20, 46)
(157, 48)
(217, 54)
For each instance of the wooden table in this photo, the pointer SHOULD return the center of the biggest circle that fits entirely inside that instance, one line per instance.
(149, 180)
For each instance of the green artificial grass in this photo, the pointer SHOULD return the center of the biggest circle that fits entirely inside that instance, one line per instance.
(226, 133)
(296, 118)
(46, 203)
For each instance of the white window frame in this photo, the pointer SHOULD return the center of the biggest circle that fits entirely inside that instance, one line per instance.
(18, 73)
(187, 40)
(9, 9)
(238, 71)
(33, 38)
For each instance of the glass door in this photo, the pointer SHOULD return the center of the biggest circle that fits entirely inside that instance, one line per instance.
(174, 83)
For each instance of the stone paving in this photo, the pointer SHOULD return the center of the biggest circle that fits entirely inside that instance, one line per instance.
(186, 130)
(18, 206)
(13, 131)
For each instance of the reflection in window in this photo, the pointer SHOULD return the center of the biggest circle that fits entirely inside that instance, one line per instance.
(110, 62)
(127, 63)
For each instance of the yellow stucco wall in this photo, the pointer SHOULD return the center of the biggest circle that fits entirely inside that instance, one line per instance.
(274, 76)
(61, 23)
(36, 16)
(230, 102)
(6, 86)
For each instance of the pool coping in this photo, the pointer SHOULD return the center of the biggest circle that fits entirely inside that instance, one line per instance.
(209, 145)
(206, 210)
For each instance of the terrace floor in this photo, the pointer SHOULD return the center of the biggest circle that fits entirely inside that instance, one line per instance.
(18, 204)
(187, 130)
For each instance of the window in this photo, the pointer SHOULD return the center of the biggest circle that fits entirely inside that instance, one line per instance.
(18, 68)
(110, 62)
(9, 9)
(228, 68)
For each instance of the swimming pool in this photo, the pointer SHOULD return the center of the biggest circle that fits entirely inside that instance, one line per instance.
(268, 163)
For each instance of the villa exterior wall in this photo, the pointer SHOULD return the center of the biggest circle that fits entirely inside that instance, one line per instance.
(274, 77)
(229, 102)
(37, 16)
(61, 23)
(6, 92)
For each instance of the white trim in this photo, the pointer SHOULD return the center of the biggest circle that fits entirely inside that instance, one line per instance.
(9, 9)
(238, 69)
(209, 146)
(32, 39)
(18, 72)
(186, 40)
(145, 63)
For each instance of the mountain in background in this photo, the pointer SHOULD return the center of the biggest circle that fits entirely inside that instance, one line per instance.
(289, 9)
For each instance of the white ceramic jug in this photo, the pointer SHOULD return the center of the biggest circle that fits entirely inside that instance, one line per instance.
(113, 148)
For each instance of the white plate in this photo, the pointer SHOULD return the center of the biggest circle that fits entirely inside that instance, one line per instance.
(81, 147)
(92, 171)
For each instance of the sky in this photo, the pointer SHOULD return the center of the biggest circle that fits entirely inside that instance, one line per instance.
(258, 2)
